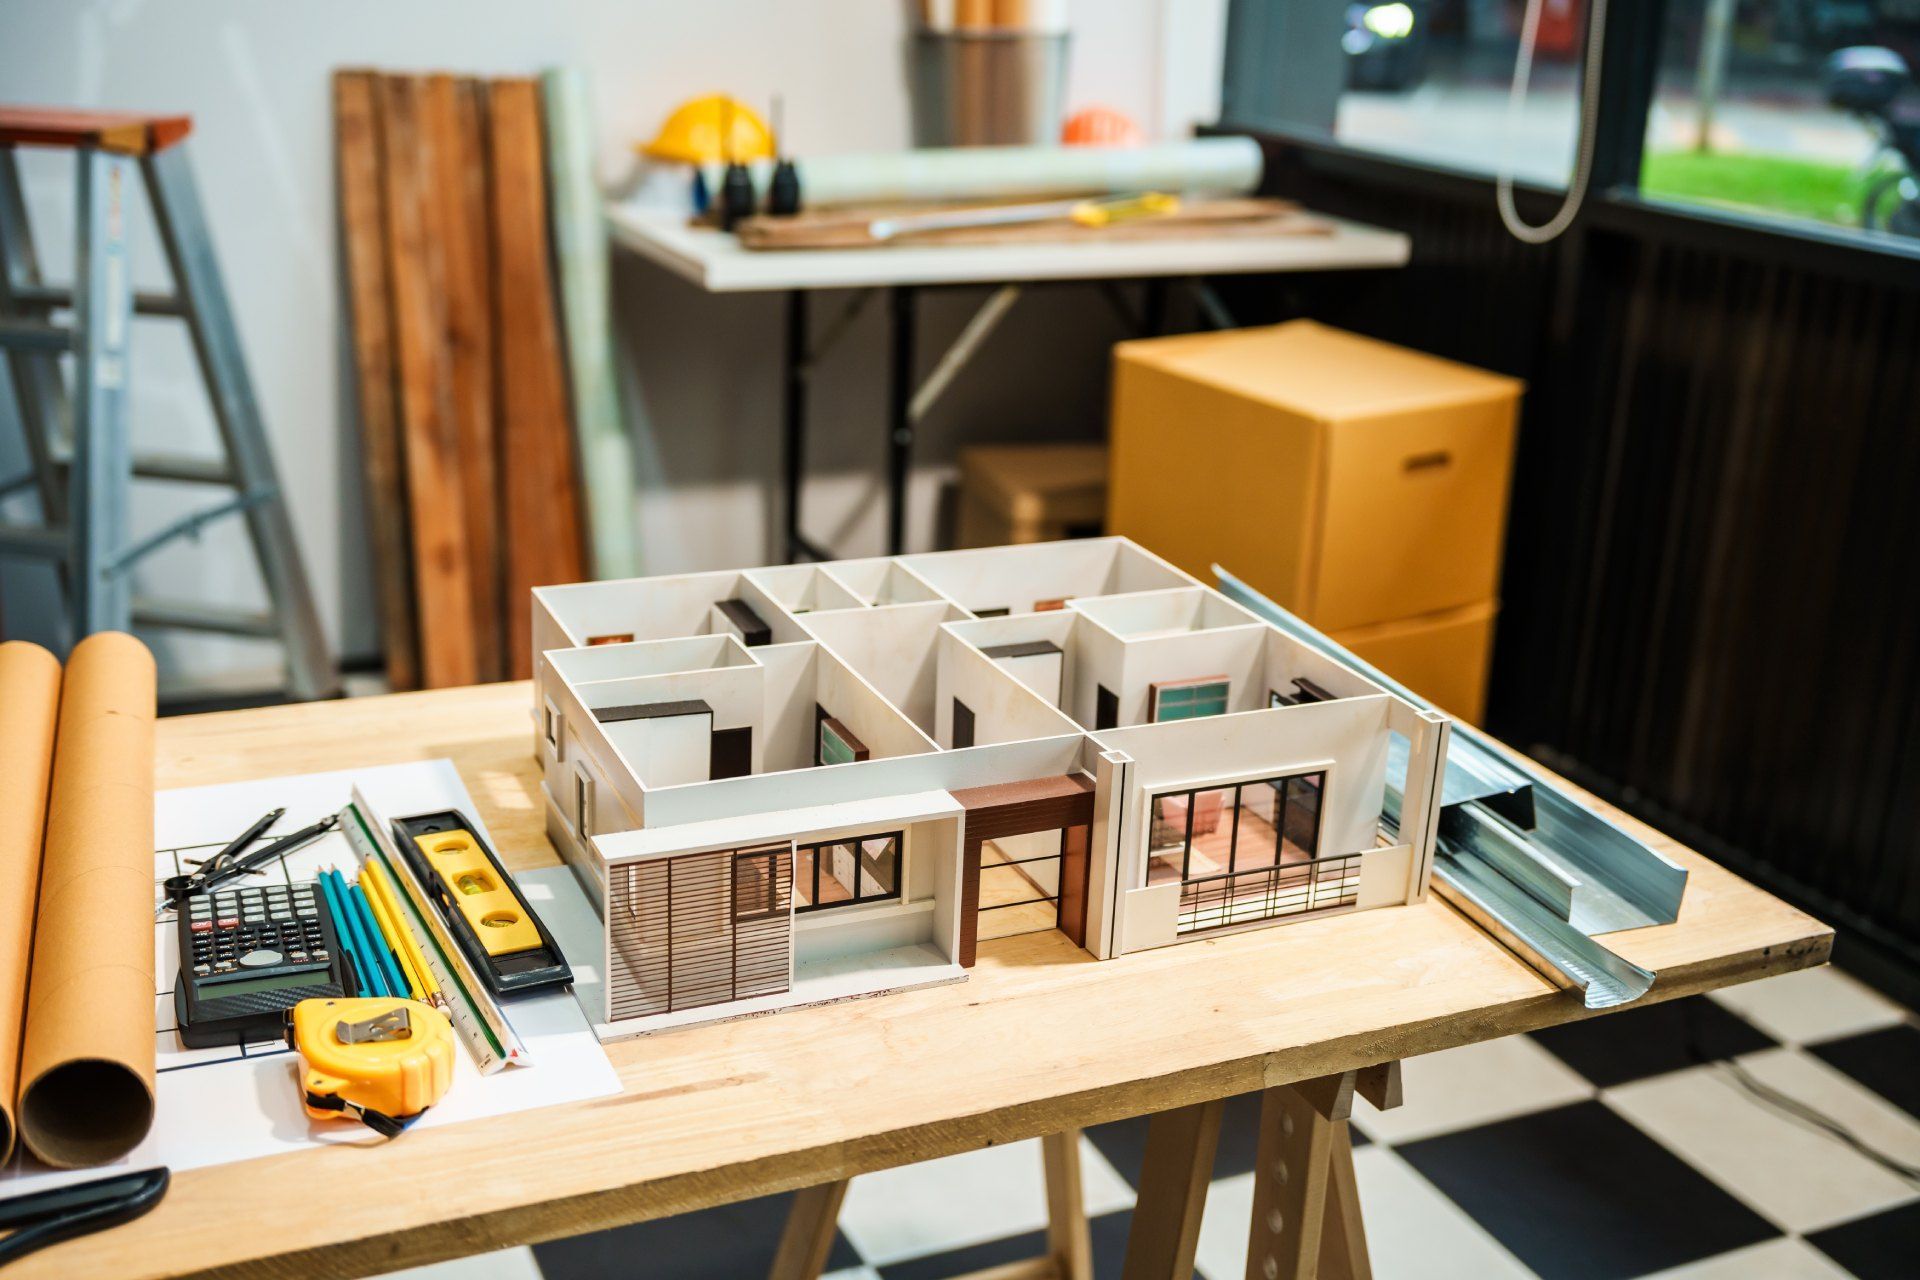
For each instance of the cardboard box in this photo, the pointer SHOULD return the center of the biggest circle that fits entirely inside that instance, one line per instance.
(1442, 656)
(1352, 481)
(1031, 493)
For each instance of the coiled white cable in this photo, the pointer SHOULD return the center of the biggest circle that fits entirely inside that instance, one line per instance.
(1589, 125)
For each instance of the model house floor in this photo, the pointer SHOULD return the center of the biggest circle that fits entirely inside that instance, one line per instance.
(1615, 1147)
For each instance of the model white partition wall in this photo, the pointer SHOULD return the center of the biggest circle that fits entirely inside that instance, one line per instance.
(812, 782)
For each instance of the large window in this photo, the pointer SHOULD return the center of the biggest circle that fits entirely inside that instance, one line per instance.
(1755, 109)
(838, 873)
(1423, 79)
(1247, 851)
(1804, 114)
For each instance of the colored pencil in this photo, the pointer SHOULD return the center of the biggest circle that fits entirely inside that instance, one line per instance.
(389, 894)
(345, 935)
(389, 968)
(383, 916)
(369, 951)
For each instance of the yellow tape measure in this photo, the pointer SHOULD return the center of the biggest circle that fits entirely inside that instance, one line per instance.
(378, 1060)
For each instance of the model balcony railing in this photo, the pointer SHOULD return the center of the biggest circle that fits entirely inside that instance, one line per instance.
(1262, 893)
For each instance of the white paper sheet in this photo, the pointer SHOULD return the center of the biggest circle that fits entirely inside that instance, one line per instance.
(226, 1104)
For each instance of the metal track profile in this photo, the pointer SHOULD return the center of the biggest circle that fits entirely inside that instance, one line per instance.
(1522, 858)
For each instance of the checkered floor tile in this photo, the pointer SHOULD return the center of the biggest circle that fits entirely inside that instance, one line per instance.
(1620, 1146)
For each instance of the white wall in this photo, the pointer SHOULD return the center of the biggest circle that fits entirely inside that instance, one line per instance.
(789, 686)
(873, 720)
(893, 648)
(699, 371)
(993, 578)
(1004, 710)
(1238, 653)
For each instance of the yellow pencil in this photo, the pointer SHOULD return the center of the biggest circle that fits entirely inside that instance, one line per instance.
(383, 917)
(409, 945)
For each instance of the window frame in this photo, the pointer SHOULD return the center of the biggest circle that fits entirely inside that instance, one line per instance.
(771, 907)
(1191, 791)
(1191, 690)
(858, 840)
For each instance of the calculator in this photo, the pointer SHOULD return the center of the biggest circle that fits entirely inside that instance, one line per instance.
(249, 953)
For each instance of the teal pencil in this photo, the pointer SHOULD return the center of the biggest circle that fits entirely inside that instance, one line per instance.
(345, 935)
(364, 953)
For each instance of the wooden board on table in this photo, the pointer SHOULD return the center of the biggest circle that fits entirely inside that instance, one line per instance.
(542, 529)
(849, 228)
(452, 123)
(356, 125)
(712, 1114)
(443, 589)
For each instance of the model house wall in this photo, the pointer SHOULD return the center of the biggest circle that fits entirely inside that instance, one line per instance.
(1007, 771)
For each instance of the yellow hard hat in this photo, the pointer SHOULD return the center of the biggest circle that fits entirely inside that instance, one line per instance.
(696, 133)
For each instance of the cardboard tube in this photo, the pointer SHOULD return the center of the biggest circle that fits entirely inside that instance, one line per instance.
(87, 1064)
(29, 700)
(1225, 165)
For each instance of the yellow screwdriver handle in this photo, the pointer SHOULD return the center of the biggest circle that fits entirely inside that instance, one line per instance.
(1100, 213)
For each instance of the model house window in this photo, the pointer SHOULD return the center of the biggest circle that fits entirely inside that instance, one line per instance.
(1222, 830)
(1188, 699)
(837, 744)
(1106, 708)
(838, 873)
(1247, 851)
(551, 725)
(756, 883)
(582, 802)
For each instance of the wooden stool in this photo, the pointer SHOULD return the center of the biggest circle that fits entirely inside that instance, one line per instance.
(816, 1214)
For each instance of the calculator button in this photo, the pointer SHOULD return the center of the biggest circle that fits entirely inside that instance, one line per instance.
(262, 959)
(318, 953)
(202, 926)
(201, 970)
(228, 922)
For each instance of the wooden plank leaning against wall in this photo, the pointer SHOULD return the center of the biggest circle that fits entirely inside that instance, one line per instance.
(543, 530)
(356, 123)
(469, 452)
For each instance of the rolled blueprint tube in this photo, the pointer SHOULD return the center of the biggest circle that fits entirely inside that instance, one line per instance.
(29, 701)
(88, 1059)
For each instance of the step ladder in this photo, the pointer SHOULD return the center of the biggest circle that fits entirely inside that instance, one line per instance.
(82, 463)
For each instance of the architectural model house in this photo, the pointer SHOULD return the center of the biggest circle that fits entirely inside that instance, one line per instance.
(795, 784)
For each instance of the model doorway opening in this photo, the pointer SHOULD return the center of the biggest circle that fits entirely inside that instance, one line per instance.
(1021, 877)
(1247, 851)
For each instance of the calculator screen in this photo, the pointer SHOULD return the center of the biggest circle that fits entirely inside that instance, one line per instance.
(248, 986)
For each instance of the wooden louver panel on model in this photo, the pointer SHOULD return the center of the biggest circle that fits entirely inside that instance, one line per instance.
(701, 929)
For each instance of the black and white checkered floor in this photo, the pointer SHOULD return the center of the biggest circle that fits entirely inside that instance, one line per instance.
(1608, 1148)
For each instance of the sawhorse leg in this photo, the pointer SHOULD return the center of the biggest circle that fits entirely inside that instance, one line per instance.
(1306, 1207)
(811, 1222)
(1306, 1203)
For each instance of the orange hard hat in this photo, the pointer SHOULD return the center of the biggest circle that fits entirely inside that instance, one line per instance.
(1101, 127)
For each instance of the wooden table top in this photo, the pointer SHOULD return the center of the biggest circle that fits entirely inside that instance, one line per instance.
(1042, 1037)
